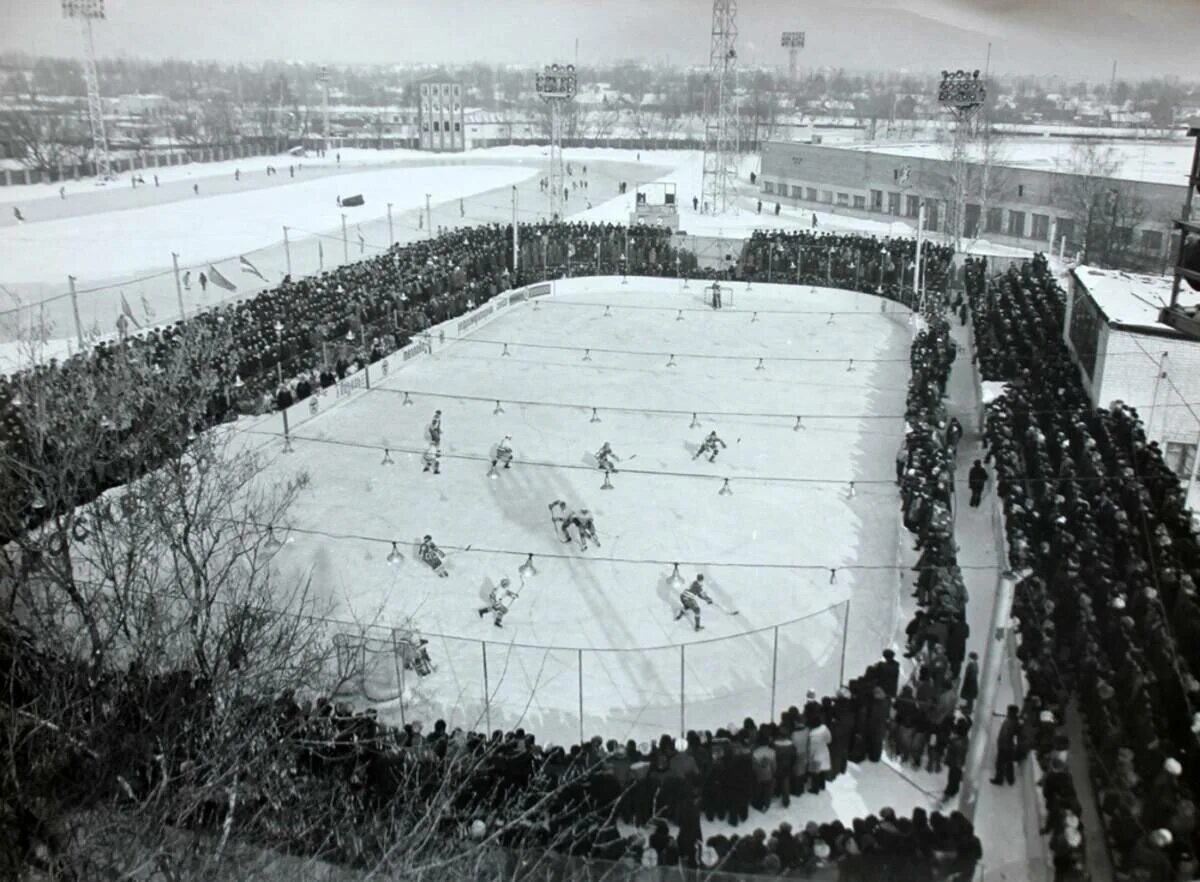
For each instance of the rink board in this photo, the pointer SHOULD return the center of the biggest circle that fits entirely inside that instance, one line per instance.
(592, 645)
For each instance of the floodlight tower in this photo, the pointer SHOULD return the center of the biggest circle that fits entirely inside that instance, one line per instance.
(323, 79)
(793, 42)
(961, 93)
(85, 11)
(556, 85)
(720, 108)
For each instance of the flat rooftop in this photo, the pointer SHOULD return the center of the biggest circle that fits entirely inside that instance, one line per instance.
(1132, 300)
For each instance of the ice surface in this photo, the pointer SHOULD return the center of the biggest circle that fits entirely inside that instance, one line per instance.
(604, 608)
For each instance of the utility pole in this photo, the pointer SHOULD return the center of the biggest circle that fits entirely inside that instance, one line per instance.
(345, 242)
(323, 79)
(391, 232)
(516, 242)
(287, 251)
(429, 215)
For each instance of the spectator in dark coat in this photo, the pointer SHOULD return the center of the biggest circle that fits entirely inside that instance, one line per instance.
(1008, 743)
(970, 682)
(977, 479)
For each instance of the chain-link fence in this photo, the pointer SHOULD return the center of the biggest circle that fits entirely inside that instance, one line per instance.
(567, 693)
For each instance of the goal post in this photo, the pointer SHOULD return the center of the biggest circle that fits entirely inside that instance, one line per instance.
(726, 293)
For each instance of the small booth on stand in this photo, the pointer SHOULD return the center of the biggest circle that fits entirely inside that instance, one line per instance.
(655, 205)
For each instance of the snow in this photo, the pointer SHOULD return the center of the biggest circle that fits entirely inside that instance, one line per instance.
(1161, 162)
(210, 229)
(1132, 300)
(604, 608)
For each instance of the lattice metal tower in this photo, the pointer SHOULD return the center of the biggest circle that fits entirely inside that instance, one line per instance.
(793, 42)
(961, 93)
(85, 11)
(323, 79)
(720, 110)
(556, 85)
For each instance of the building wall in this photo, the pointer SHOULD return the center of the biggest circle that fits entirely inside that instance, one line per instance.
(1150, 372)
(441, 111)
(885, 182)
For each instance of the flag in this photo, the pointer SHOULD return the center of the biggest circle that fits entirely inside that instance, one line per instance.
(248, 267)
(219, 280)
(187, 280)
(127, 312)
(146, 310)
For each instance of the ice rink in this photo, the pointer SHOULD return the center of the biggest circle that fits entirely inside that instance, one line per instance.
(591, 644)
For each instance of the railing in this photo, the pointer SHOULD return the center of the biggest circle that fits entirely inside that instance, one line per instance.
(569, 693)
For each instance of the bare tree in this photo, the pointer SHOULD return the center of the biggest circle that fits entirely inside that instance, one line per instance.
(1103, 208)
(44, 139)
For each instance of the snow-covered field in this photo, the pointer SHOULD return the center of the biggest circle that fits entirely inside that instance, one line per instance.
(133, 240)
(767, 549)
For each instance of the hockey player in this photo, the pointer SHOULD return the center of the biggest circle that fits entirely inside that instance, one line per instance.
(504, 452)
(433, 556)
(561, 517)
(435, 429)
(716, 295)
(432, 458)
(709, 446)
(499, 600)
(690, 599)
(587, 528)
(605, 457)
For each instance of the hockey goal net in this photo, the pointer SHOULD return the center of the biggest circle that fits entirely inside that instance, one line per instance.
(726, 295)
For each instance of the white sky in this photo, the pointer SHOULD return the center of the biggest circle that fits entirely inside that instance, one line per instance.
(1077, 38)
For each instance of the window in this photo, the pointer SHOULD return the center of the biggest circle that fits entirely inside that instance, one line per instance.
(1181, 458)
(768, 186)
(1152, 241)
(827, 196)
(860, 202)
(1041, 227)
(797, 191)
(843, 199)
(436, 125)
(876, 200)
(458, 127)
(1066, 229)
(1016, 224)
(994, 220)
(912, 205)
(931, 215)
(894, 204)
(1020, 189)
(810, 193)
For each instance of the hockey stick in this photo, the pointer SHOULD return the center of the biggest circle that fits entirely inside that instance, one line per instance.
(728, 612)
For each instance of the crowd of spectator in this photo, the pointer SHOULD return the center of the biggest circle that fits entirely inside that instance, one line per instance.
(853, 261)
(306, 334)
(1105, 550)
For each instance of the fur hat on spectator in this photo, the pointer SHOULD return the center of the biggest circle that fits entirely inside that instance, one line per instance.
(1161, 837)
(1173, 767)
(821, 850)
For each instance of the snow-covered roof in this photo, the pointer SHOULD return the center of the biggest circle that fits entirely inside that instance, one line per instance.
(1131, 300)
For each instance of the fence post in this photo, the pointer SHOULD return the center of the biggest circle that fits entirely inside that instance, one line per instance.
(399, 674)
(74, 309)
(367, 374)
(391, 231)
(845, 637)
(774, 670)
(487, 691)
(178, 287)
(682, 703)
(287, 251)
(580, 651)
